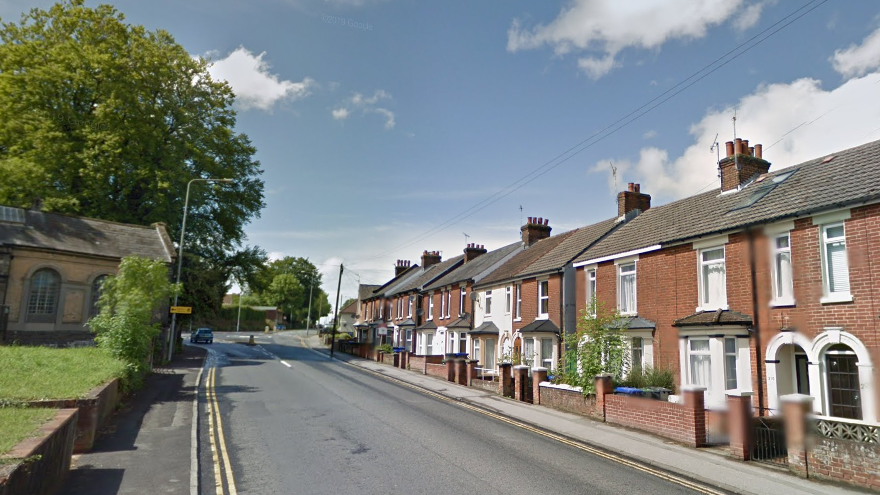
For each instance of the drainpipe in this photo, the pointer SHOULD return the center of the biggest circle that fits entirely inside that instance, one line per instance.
(759, 354)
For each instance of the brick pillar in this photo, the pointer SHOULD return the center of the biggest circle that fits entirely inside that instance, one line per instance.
(695, 402)
(739, 421)
(396, 362)
(471, 371)
(538, 375)
(404, 360)
(461, 372)
(505, 387)
(519, 381)
(603, 388)
(450, 370)
(795, 408)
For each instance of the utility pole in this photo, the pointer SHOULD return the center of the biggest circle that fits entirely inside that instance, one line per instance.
(309, 317)
(336, 316)
(240, 294)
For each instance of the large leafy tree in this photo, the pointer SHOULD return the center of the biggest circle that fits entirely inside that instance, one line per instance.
(274, 284)
(106, 119)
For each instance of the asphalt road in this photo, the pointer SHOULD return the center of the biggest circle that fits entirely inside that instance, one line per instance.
(323, 427)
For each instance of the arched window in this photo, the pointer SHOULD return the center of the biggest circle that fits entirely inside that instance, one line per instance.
(43, 297)
(843, 382)
(96, 294)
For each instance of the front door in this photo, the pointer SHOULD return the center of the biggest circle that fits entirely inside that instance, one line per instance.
(844, 393)
(517, 351)
(802, 377)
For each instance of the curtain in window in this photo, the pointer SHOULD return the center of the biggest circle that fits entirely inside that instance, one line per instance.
(529, 353)
(701, 363)
(628, 293)
(784, 289)
(490, 354)
(547, 352)
(838, 268)
(714, 285)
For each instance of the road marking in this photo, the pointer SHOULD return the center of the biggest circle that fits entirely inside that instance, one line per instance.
(218, 479)
(221, 440)
(578, 445)
(285, 363)
(194, 439)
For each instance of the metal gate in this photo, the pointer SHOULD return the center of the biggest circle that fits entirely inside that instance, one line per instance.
(768, 442)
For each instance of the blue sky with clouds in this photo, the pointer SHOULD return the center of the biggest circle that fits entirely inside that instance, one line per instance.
(377, 120)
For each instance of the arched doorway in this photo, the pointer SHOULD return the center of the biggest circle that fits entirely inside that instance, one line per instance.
(844, 391)
(792, 370)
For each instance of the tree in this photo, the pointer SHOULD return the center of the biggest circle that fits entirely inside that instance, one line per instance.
(287, 293)
(108, 120)
(598, 346)
(347, 302)
(308, 277)
(127, 322)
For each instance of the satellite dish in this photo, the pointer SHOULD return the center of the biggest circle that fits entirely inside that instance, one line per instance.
(420, 312)
(473, 296)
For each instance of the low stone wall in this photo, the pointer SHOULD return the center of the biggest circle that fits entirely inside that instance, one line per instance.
(438, 370)
(674, 421)
(46, 458)
(94, 409)
(852, 462)
(54, 338)
(570, 399)
(487, 385)
(417, 362)
(388, 359)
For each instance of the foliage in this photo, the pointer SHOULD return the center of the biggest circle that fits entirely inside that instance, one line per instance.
(17, 424)
(274, 283)
(639, 377)
(386, 348)
(345, 336)
(129, 300)
(597, 347)
(33, 373)
(347, 302)
(106, 119)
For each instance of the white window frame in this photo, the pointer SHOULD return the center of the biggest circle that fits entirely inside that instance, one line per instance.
(462, 293)
(518, 314)
(776, 253)
(488, 304)
(547, 361)
(408, 339)
(508, 299)
(476, 345)
(442, 304)
(689, 361)
(591, 289)
(727, 356)
(717, 388)
(703, 305)
(449, 303)
(620, 275)
(410, 303)
(430, 306)
(824, 241)
(541, 297)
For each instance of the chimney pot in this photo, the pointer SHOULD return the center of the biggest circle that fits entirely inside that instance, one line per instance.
(546, 222)
(738, 146)
(637, 187)
(759, 151)
(630, 187)
(751, 151)
(736, 172)
(540, 220)
(728, 146)
(745, 146)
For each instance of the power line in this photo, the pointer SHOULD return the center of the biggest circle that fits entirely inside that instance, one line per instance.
(614, 127)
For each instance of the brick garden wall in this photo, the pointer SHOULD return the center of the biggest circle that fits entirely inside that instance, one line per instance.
(571, 400)
(856, 463)
(438, 370)
(673, 421)
(50, 451)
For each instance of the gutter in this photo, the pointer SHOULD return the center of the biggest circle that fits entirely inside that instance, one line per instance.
(634, 252)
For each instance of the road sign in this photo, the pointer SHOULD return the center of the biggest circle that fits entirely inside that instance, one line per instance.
(182, 310)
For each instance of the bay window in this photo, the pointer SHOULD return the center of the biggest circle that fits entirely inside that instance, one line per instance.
(477, 350)
(730, 352)
(462, 342)
(489, 364)
(637, 352)
(547, 353)
(529, 351)
(626, 286)
(700, 362)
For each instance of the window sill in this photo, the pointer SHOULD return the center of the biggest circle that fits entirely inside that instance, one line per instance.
(543, 317)
(836, 298)
(782, 304)
(703, 309)
(517, 319)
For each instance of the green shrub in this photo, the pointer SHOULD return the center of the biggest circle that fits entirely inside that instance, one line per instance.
(386, 348)
(649, 377)
(343, 336)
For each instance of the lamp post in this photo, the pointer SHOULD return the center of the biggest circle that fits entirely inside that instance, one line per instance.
(180, 258)
(240, 294)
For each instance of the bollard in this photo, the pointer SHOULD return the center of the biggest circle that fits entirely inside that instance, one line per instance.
(251, 341)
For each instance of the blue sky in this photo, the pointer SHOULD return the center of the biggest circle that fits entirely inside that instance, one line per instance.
(377, 120)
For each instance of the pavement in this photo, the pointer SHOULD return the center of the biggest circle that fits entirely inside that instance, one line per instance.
(146, 445)
(710, 466)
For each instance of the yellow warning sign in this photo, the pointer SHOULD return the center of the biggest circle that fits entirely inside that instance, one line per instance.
(182, 310)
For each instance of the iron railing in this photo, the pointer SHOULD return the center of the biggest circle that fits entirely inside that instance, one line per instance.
(768, 442)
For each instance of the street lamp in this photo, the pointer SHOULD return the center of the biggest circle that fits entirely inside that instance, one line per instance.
(180, 258)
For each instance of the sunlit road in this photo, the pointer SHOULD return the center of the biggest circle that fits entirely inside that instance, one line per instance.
(303, 424)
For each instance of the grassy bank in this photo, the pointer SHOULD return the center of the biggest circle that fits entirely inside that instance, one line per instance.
(19, 424)
(31, 373)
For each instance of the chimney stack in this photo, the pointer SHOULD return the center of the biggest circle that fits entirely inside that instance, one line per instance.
(430, 258)
(535, 230)
(741, 164)
(472, 251)
(631, 200)
(400, 267)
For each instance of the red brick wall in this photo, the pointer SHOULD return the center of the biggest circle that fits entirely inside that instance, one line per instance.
(438, 370)
(673, 421)
(571, 401)
(855, 463)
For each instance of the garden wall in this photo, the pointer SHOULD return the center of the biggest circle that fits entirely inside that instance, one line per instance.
(570, 399)
(47, 458)
(94, 409)
(682, 423)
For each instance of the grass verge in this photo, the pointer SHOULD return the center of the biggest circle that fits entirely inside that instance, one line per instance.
(20, 423)
(33, 373)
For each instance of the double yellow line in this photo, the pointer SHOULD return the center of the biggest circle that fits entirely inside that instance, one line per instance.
(678, 480)
(218, 447)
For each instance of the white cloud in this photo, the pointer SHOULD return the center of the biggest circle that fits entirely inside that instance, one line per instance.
(253, 84)
(650, 134)
(602, 28)
(824, 121)
(858, 60)
(749, 17)
(367, 104)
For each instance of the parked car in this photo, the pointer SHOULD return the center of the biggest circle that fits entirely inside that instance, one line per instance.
(202, 334)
